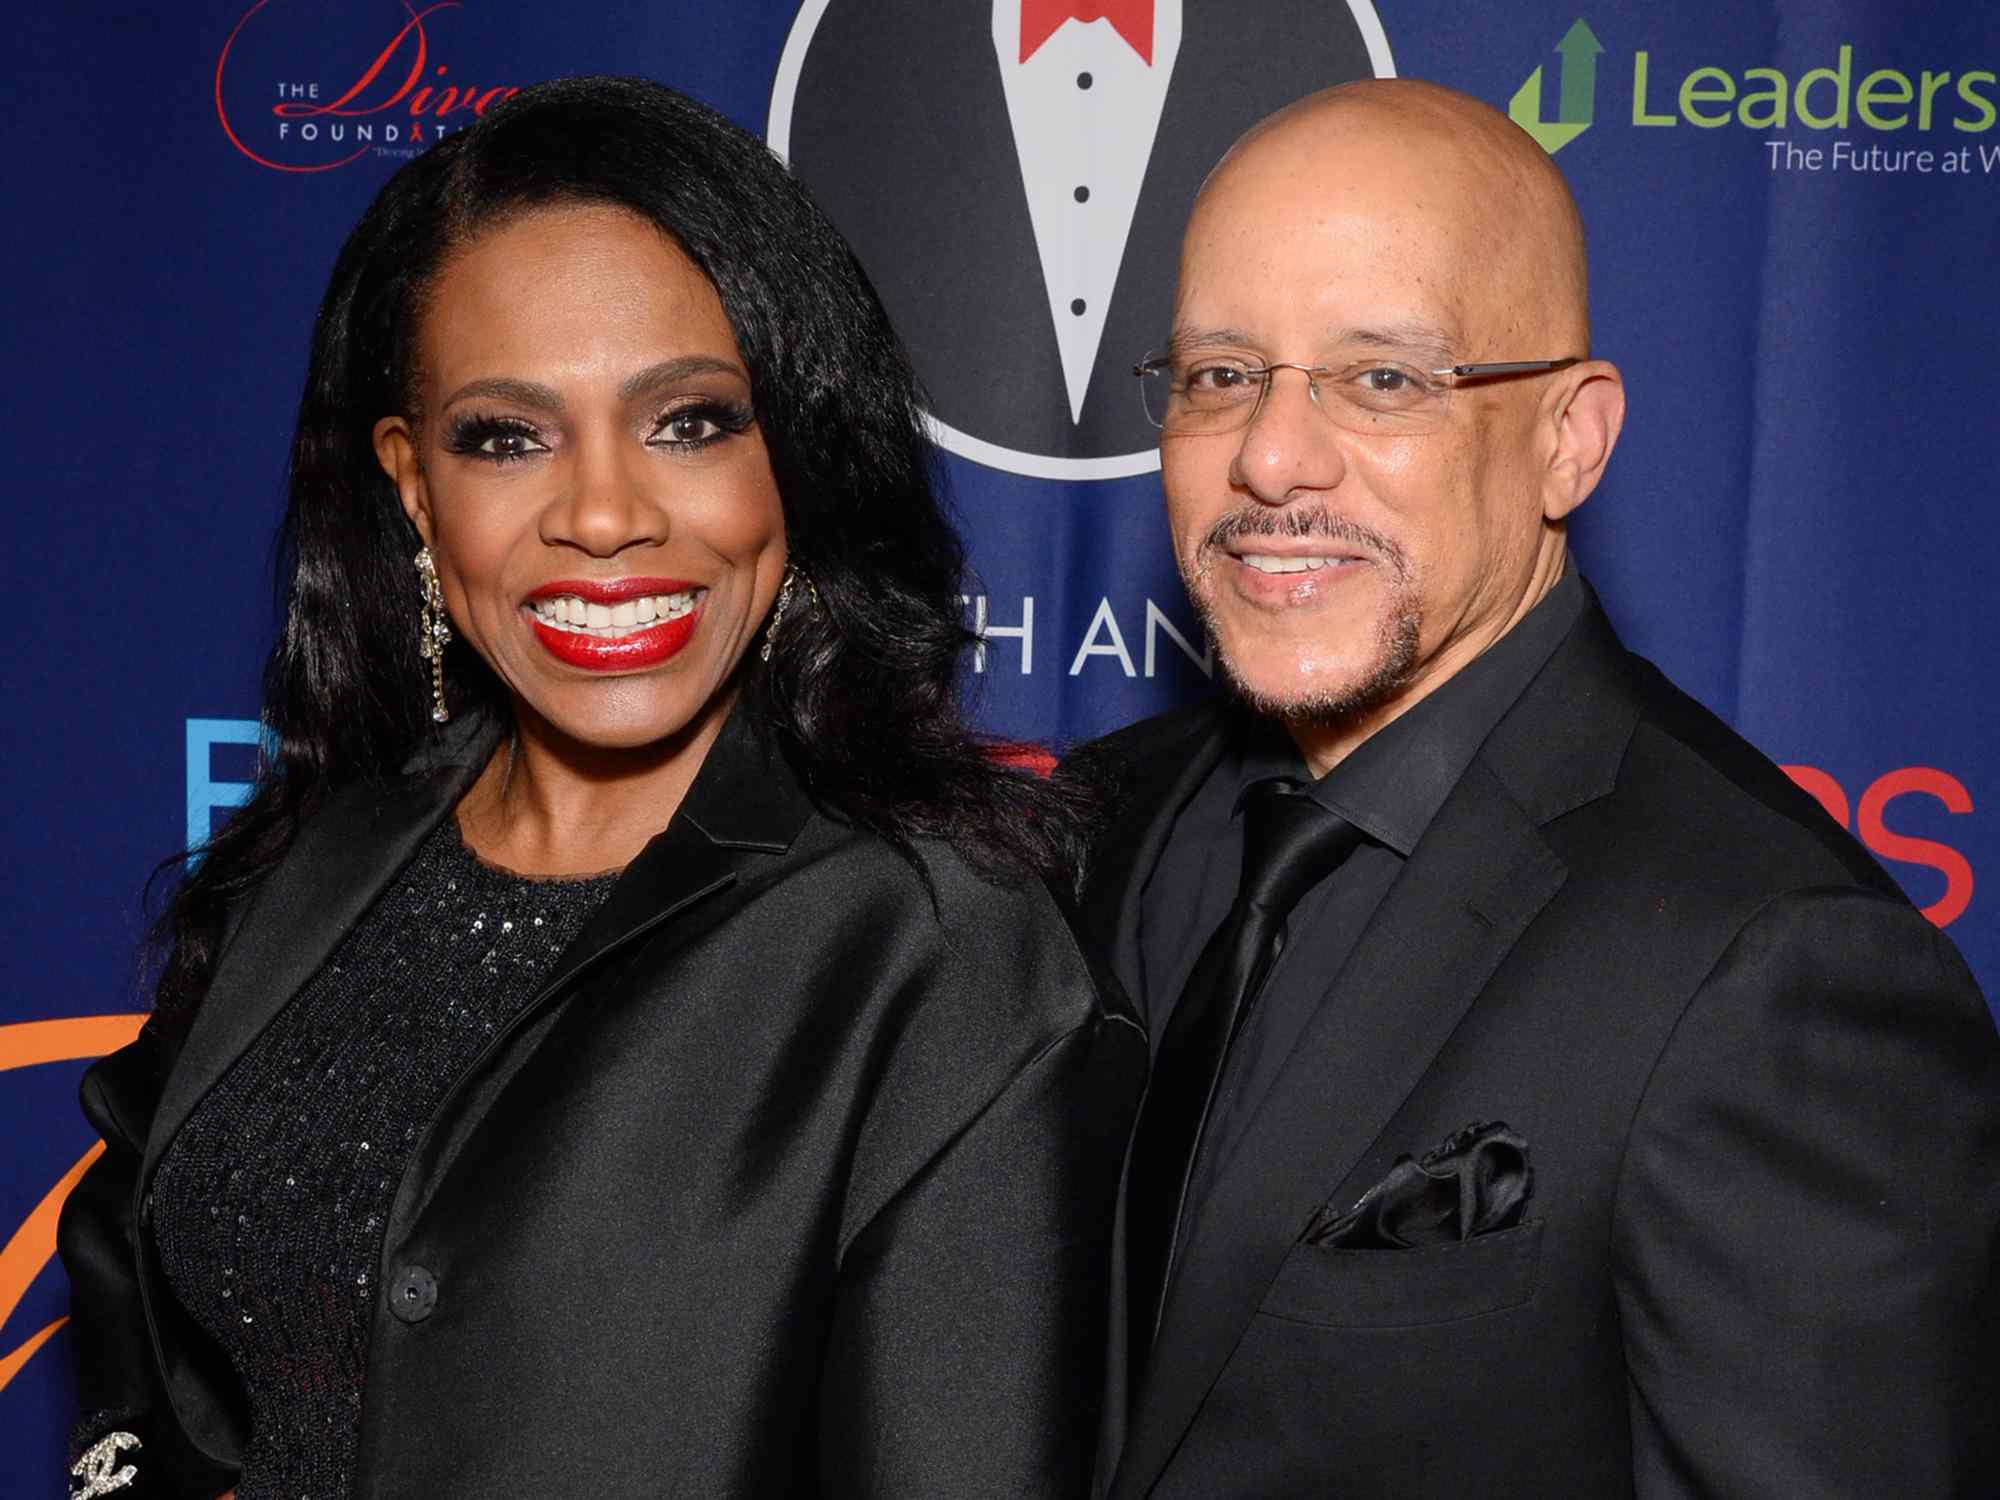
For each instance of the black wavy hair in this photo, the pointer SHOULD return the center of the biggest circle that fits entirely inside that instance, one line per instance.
(861, 690)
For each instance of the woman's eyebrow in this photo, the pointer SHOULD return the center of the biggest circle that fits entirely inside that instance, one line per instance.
(505, 388)
(667, 371)
(539, 397)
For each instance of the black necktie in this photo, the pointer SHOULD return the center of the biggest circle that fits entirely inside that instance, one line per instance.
(1290, 843)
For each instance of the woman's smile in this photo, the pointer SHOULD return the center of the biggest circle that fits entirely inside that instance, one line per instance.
(615, 625)
(592, 479)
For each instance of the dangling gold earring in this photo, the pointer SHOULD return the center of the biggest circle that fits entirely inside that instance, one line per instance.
(432, 631)
(792, 575)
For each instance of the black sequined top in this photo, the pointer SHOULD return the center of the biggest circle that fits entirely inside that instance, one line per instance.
(269, 1205)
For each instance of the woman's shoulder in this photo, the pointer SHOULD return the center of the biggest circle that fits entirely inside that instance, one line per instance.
(977, 975)
(998, 1015)
(1000, 937)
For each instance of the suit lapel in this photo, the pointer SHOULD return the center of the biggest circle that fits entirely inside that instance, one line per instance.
(341, 859)
(1479, 877)
(1162, 775)
(1472, 886)
(744, 806)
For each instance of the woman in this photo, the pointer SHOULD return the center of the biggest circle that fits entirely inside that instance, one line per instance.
(626, 1046)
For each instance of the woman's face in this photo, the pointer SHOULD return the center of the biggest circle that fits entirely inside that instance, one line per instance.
(586, 471)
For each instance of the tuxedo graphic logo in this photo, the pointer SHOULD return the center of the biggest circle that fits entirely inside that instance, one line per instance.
(1015, 178)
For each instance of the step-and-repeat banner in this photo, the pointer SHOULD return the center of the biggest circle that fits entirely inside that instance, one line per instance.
(1792, 209)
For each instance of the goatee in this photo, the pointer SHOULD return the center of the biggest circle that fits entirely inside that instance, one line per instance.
(1397, 634)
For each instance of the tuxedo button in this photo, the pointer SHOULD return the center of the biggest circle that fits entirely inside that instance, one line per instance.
(413, 1294)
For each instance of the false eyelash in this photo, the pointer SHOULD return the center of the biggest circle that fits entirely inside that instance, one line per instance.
(732, 417)
(470, 429)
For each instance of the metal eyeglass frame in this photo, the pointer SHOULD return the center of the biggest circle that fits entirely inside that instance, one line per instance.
(1452, 373)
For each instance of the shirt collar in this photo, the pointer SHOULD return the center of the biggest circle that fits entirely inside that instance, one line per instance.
(1392, 784)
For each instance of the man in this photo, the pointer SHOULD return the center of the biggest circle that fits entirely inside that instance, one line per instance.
(1446, 856)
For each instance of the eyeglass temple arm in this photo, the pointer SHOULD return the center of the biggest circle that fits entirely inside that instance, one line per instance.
(1510, 367)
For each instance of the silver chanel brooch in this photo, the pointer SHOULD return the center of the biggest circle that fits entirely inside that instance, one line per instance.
(96, 1467)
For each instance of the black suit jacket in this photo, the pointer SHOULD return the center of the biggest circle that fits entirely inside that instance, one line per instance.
(1762, 1101)
(796, 1179)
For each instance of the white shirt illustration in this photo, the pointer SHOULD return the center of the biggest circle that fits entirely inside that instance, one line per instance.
(1085, 106)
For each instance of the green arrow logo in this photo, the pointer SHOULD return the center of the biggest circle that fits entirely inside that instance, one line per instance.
(1579, 48)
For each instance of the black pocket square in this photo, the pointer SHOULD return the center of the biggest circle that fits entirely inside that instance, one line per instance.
(1477, 1182)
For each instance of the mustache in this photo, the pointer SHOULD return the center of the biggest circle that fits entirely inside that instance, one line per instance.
(1296, 523)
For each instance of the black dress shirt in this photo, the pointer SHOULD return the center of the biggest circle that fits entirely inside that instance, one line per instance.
(1390, 787)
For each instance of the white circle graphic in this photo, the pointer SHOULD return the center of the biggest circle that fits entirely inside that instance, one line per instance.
(778, 135)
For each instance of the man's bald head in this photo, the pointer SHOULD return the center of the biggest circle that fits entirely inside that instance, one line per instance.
(1447, 166)
(1346, 556)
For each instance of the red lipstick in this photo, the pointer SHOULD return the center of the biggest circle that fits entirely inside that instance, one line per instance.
(611, 590)
(639, 647)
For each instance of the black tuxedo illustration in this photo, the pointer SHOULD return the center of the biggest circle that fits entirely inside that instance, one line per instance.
(1760, 1093)
(900, 130)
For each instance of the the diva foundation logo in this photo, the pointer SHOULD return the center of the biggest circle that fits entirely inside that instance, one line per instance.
(303, 87)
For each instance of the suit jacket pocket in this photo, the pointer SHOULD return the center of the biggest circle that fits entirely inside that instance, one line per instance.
(1405, 1288)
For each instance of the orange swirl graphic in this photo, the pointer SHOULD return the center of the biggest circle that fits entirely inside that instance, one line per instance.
(24, 1044)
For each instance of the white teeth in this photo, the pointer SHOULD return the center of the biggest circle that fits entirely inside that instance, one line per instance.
(568, 612)
(1263, 562)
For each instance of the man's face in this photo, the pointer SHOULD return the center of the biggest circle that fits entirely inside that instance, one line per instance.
(1336, 571)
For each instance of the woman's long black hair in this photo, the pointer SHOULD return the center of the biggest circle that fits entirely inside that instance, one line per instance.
(861, 690)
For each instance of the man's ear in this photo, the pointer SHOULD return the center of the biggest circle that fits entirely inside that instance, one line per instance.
(1588, 416)
(396, 451)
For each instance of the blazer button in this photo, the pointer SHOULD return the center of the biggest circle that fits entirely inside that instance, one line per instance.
(413, 1294)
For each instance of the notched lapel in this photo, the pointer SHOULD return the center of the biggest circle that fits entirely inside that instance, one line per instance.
(342, 858)
(1471, 888)
(678, 868)
(1161, 776)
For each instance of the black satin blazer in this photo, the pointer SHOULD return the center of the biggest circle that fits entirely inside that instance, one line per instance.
(790, 1182)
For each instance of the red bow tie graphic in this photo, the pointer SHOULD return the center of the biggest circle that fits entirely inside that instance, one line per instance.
(1131, 19)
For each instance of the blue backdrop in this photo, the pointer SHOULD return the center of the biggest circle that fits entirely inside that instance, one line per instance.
(1792, 210)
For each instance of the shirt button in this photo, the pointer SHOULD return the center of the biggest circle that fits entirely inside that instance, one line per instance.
(412, 1294)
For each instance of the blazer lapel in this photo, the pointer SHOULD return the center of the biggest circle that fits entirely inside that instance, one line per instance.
(744, 806)
(339, 863)
(1480, 875)
(744, 801)
(1163, 774)
(1471, 888)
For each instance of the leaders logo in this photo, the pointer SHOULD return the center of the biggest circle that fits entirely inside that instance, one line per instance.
(1015, 177)
(1579, 50)
(307, 88)
(1849, 113)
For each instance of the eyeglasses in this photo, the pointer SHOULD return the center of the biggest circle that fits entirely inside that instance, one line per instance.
(1208, 393)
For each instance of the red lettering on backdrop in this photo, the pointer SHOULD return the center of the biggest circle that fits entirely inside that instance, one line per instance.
(1957, 870)
(1872, 829)
(414, 27)
(349, 104)
(1824, 789)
